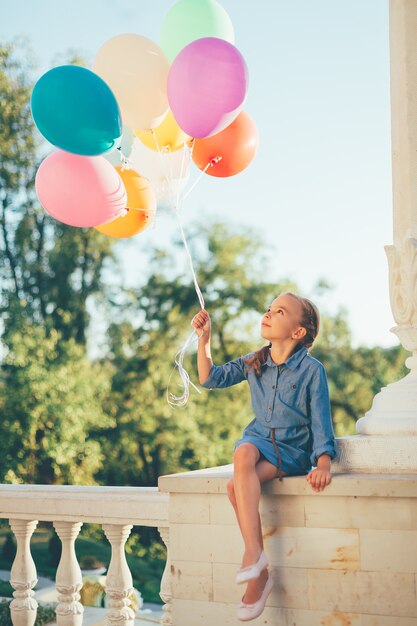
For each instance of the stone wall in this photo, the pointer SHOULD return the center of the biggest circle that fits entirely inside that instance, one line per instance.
(344, 557)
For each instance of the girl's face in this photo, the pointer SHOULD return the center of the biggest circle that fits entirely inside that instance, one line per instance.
(282, 319)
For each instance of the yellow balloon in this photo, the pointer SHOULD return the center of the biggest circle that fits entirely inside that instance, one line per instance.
(168, 134)
(141, 207)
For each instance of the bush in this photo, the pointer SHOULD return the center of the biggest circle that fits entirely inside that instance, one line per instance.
(54, 549)
(6, 590)
(9, 548)
(88, 561)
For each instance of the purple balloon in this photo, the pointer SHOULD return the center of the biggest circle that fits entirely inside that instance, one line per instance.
(207, 86)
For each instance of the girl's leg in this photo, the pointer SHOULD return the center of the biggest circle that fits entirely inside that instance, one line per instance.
(265, 471)
(247, 490)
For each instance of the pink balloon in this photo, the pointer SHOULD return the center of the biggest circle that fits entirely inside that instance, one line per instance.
(80, 190)
(207, 86)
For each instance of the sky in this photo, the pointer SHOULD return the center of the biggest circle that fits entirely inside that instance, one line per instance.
(319, 191)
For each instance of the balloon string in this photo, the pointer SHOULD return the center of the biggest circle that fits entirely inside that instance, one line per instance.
(209, 164)
(182, 400)
(168, 179)
(173, 399)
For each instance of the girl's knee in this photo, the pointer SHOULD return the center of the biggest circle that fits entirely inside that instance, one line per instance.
(246, 455)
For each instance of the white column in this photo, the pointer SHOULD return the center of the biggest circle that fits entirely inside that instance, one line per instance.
(165, 592)
(69, 581)
(387, 440)
(119, 582)
(23, 607)
(394, 409)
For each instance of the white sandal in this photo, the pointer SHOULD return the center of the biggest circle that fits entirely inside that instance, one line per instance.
(246, 612)
(251, 572)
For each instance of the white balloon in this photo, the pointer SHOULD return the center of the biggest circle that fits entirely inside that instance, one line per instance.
(168, 172)
(136, 70)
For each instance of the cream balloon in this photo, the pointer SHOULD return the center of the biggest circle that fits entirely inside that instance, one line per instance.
(136, 70)
(168, 172)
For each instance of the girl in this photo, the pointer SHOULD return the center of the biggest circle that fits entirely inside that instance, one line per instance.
(292, 429)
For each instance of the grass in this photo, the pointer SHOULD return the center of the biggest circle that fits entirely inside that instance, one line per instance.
(145, 563)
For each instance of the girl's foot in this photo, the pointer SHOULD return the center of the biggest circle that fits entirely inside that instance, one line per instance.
(255, 588)
(248, 611)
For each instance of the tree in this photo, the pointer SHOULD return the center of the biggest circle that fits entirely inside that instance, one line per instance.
(48, 270)
(55, 400)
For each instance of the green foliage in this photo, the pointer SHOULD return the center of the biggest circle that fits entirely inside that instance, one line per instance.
(57, 399)
(9, 549)
(54, 549)
(6, 590)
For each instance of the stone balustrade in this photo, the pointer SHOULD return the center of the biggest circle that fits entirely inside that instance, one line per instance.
(345, 556)
(117, 509)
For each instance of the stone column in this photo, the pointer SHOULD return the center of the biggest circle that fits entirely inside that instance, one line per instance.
(119, 583)
(23, 607)
(387, 440)
(69, 581)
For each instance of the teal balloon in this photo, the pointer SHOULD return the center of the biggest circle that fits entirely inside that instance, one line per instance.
(188, 20)
(76, 111)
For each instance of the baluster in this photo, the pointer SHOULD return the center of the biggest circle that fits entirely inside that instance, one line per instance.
(23, 607)
(166, 592)
(69, 581)
(119, 582)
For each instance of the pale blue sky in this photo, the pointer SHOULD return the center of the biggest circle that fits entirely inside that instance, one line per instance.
(319, 189)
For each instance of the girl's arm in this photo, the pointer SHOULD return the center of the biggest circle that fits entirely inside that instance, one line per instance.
(214, 376)
(202, 324)
(324, 443)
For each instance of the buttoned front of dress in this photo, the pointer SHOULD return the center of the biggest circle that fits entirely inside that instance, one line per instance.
(292, 397)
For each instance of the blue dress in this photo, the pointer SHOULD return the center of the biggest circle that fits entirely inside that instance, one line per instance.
(291, 405)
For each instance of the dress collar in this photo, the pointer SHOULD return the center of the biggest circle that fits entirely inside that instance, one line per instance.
(292, 362)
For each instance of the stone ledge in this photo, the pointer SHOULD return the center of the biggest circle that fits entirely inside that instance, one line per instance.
(214, 480)
(376, 454)
(140, 506)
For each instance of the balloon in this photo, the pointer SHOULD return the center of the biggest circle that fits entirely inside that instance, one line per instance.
(76, 110)
(136, 69)
(168, 135)
(207, 86)
(80, 191)
(141, 207)
(236, 145)
(188, 20)
(168, 172)
(126, 143)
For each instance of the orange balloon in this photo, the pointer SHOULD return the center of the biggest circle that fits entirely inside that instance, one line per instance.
(230, 151)
(141, 207)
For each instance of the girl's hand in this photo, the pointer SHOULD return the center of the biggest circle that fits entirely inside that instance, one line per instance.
(319, 478)
(202, 323)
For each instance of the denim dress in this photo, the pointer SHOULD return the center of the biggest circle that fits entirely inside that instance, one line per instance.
(292, 424)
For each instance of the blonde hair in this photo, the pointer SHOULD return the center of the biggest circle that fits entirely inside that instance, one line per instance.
(310, 320)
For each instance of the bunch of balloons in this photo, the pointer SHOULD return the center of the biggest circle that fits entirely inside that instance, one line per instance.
(126, 130)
